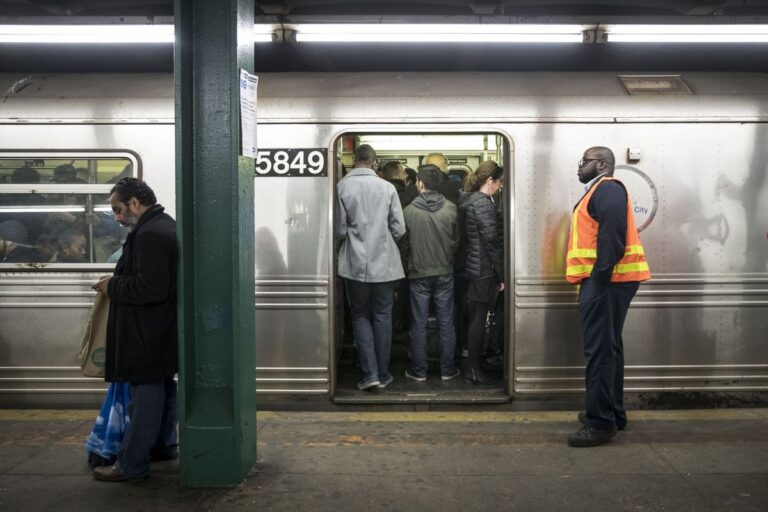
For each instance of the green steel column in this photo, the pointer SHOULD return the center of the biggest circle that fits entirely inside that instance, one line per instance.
(214, 190)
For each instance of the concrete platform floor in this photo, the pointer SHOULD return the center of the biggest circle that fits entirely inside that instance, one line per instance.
(700, 460)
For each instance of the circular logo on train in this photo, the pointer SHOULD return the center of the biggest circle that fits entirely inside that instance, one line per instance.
(99, 357)
(642, 191)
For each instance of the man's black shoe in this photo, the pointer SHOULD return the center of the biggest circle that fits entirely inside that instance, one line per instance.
(586, 437)
(583, 420)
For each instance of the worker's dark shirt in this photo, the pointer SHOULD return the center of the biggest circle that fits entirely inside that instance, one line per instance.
(608, 206)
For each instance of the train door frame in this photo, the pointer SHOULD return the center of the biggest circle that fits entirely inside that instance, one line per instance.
(508, 152)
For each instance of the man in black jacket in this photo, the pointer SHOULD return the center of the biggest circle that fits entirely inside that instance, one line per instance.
(431, 239)
(141, 330)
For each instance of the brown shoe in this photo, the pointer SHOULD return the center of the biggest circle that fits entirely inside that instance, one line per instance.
(113, 474)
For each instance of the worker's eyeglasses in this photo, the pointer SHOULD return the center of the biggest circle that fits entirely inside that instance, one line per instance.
(584, 161)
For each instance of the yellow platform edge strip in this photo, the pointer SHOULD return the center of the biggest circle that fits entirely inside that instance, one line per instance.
(424, 417)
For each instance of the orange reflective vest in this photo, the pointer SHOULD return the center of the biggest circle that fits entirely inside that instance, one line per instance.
(582, 245)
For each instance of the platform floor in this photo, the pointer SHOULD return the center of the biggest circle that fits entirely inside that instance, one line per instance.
(693, 460)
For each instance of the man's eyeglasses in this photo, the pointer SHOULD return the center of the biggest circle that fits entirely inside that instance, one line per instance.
(584, 161)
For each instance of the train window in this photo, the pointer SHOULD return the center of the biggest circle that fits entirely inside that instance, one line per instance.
(55, 208)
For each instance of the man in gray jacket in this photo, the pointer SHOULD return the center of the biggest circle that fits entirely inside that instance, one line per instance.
(370, 222)
(431, 242)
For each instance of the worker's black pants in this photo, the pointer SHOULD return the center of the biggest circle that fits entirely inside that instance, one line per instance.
(603, 308)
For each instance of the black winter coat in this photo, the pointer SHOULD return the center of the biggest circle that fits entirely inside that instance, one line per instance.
(483, 237)
(142, 335)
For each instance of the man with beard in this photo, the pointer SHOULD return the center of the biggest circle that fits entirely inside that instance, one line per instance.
(141, 330)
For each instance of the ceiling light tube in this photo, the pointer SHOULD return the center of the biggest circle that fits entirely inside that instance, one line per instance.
(86, 34)
(437, 33)
(262, 33)
(104, 34)
(687, 33)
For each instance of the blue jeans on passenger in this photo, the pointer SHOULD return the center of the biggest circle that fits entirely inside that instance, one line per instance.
(371, 308)
(422, 290)
(152, 428)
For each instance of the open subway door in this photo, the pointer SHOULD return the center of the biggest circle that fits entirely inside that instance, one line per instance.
(463, 152)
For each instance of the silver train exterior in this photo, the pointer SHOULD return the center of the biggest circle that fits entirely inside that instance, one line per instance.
(693, 151)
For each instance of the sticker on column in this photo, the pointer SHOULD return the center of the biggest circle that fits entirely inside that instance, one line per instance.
(248, 84)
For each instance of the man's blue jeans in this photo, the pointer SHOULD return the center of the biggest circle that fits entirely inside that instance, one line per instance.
(371, 308)
(441, 289)
(152, 428)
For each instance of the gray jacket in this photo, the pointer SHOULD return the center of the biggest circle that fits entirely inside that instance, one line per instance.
(370, 221)
(433, 235)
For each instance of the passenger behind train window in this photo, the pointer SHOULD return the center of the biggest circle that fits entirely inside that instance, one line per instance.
(24, 207)
(63, 221)
(72, 246)
(13, 244)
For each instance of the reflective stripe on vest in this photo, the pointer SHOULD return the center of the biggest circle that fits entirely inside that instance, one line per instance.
(582, 245)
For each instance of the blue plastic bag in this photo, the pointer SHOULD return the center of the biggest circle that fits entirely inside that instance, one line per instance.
(111, 424)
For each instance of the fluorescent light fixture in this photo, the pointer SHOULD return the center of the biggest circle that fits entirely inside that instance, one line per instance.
(43, 209)
(437, 33)
(687, 33)
(101, 34)
(86, 34)
(262, 33)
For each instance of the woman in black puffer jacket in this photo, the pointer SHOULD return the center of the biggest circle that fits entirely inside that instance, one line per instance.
(483, 240)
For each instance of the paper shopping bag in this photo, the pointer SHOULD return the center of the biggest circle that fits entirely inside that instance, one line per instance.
(93, 351)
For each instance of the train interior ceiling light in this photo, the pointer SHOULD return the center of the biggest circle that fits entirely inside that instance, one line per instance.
(403, 33)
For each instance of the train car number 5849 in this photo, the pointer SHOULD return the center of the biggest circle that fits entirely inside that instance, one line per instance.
(291, 162)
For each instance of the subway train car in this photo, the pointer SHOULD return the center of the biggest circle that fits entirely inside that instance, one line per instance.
(692, 149)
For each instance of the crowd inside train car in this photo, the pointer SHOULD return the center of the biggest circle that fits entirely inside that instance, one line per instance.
(442, 243)
(56, 227)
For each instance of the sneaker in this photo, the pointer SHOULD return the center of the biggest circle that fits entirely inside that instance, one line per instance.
(386, 382)
(363, 385)
(465, 352)
(413, 376)
(586, 437)
(455, 373)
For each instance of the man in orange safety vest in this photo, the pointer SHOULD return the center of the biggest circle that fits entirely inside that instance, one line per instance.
(605, 257)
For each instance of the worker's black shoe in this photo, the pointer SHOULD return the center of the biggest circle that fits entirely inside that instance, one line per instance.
(583, 420)
(586, 437)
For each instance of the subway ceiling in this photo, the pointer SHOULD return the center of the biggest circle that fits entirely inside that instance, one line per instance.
(524, 8)
(403, 57)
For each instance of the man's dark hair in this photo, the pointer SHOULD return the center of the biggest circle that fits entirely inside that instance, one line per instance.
(127, 188)
(25, 175)
(365, 154)
(69, 236)
(411, 173)
(391, 170)
(430, 176)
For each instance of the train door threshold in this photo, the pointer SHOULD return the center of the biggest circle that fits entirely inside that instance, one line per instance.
(415, 396)
(404, 390)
